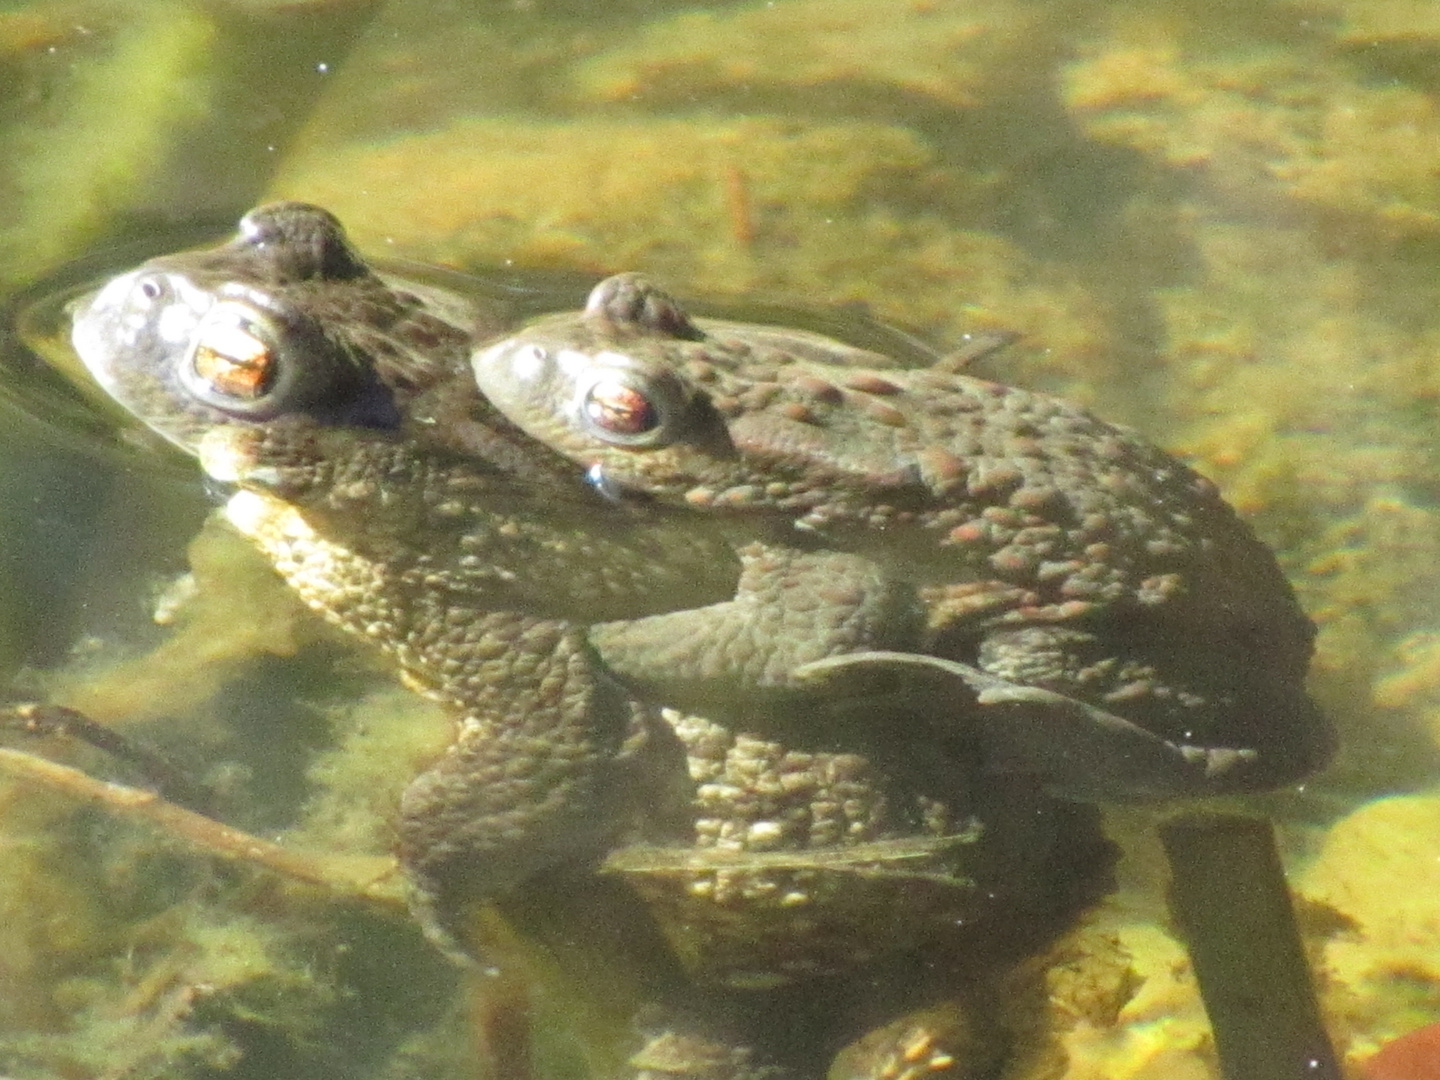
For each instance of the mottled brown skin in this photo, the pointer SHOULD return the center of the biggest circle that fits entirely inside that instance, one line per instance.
(1076, 599)
(402, 506)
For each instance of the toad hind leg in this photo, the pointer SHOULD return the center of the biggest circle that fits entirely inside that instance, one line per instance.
(1076, 750)
(542, 730)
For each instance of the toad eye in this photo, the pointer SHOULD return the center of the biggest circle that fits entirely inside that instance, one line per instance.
(255, 359)
(234, 359)
(628, 407)
(620, 410)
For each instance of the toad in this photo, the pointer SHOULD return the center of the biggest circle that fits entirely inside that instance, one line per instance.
(415, 518)
(1050, 587)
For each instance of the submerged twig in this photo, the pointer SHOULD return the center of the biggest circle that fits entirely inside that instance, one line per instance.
(501, 996)
(1230, 899)
(41, 719)
(371, 878)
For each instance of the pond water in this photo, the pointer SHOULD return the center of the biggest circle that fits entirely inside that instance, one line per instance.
(1219, 223)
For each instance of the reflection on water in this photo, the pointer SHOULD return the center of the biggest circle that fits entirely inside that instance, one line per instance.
(1220, 225)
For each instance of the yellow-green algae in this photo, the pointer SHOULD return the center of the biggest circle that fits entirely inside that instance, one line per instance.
(1132, 1011)
(1378, 22)
(1379, 871)
(127, 955)
(835, 213)
(233, 610)
(945, 53)
(1284, 127)
(133, 78)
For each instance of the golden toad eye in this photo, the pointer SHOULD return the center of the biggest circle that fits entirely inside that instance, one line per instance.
(617, 408)
(232, 361)
(242, 360)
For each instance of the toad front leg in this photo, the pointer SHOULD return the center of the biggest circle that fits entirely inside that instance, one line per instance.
(790, 608)
(530, 781)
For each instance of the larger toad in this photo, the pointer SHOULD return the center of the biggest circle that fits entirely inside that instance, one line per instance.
(404, 507)
(415, 518)
(1083, 605)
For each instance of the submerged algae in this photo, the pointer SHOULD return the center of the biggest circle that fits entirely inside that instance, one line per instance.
(1151, 1025)
(826, 212)
(1376, 23)
(946, 53)
(1271, 129)
(1384, 965)
(125, 955)
(227, 610)
(112, 119)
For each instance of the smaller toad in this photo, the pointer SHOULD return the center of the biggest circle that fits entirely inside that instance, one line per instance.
(1040, 583)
